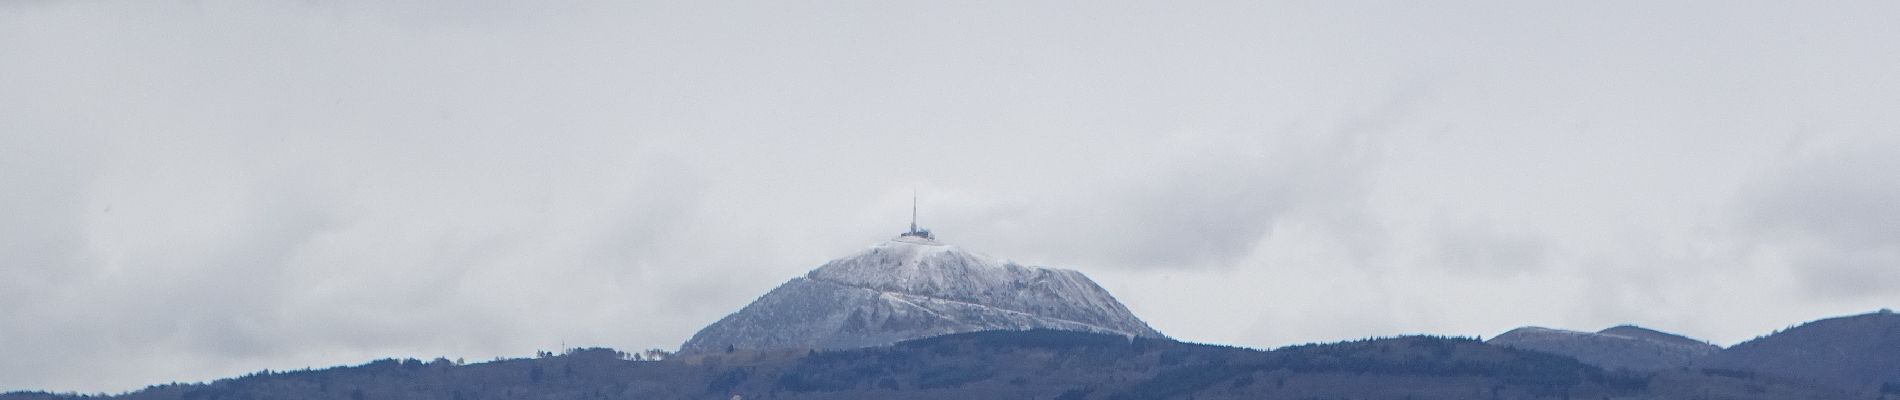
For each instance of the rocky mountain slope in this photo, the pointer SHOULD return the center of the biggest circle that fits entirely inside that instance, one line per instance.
(1859, 352)
(914, 287)
(1623, 347)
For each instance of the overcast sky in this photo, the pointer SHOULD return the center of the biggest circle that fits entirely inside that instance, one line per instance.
(199, 189)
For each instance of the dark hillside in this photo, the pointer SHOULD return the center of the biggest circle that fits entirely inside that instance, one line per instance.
(1004, 364)
(1855, 352)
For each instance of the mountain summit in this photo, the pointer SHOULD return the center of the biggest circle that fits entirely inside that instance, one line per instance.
(910, 287)
(1621, 347)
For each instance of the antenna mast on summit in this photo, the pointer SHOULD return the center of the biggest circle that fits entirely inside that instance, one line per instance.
(914, 230)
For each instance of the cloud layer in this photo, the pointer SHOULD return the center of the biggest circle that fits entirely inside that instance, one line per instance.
(196, 190)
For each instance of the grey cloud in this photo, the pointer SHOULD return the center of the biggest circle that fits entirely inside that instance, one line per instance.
(198, 258)
(1199, 205)
(1476, 245)
(1830, 213)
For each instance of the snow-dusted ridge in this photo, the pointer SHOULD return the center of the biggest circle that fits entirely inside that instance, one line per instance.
(1624, 346)
(914, 287)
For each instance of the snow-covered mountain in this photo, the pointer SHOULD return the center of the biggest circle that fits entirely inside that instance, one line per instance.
(1622, 347)
(914, 287)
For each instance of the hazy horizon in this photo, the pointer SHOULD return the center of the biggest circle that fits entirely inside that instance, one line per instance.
(195, 190)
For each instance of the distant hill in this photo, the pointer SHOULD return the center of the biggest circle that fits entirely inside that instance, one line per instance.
(1040, 364)
(1622, 347)
(1858, 352)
